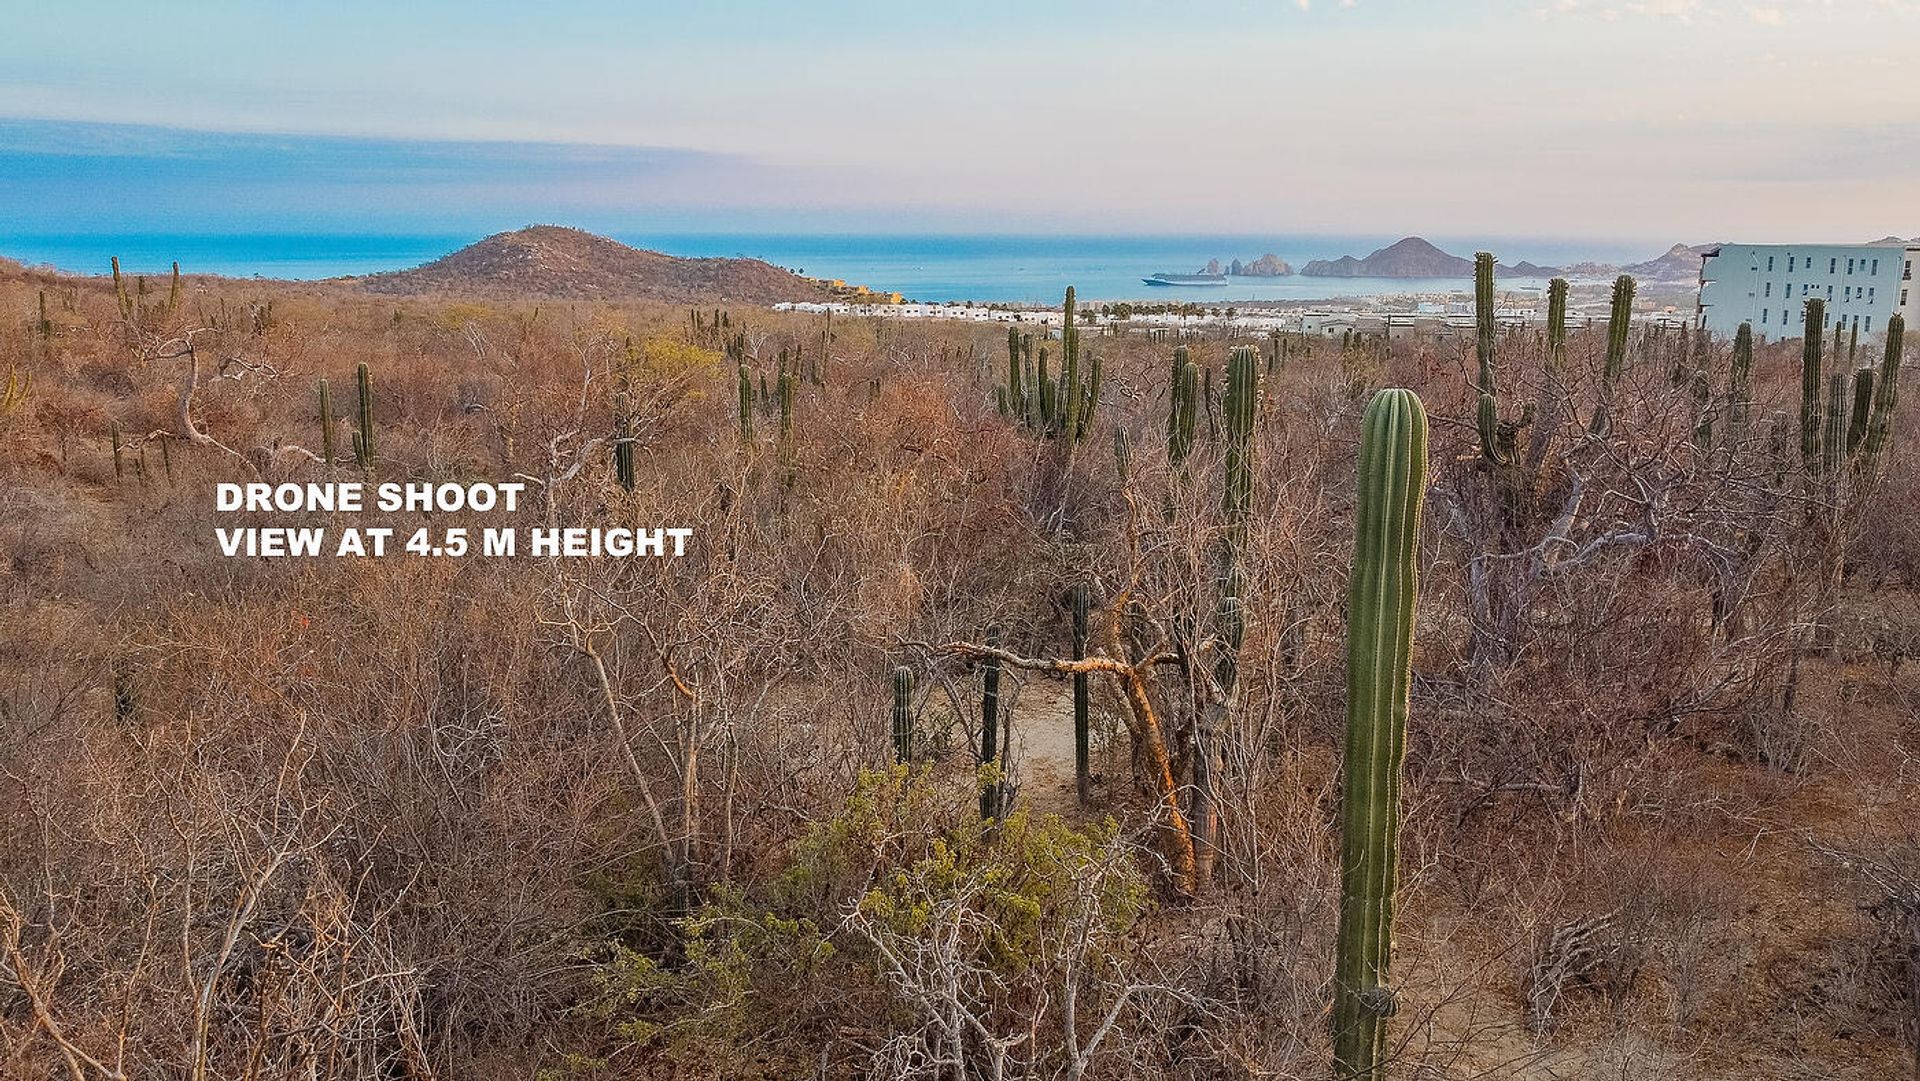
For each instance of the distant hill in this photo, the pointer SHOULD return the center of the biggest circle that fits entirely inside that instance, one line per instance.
(1412, 257)
(554, 261)
(1681, 263)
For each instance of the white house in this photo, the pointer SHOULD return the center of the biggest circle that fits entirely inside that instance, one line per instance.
(1768, 285)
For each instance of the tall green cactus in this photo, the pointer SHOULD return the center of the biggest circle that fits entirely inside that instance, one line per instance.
(1183, 405)
(1557, 326)
(1886, 394)
(903, 714)
(364, 452)
(1740, 384)
(1619, 337)
(1810, 362)
(1862, 410)
(990, 728)
(1242, 398)
(1069, 371)
(1702, 411)
(1122, 454)
(746, 405)
(1487, 418)
(1381, 597)
(1077, 601)
(326, 425)
(1833, 437)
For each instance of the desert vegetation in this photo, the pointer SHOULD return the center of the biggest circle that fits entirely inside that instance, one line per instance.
(1022, 708)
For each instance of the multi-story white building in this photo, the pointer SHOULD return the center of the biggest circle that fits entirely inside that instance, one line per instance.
(1769, 285)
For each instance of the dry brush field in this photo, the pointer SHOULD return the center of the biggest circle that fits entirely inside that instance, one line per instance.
(417, 817)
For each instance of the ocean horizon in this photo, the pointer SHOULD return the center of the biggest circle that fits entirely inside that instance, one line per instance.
(1005, 269)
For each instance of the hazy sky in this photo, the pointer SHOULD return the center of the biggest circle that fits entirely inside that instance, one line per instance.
(1661, 119)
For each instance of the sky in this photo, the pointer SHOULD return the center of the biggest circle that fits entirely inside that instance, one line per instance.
(1657, 120)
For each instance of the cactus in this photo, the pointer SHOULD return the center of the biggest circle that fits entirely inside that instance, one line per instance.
(1619, 335)
(1833, 452)
(1082, 732)
(166, 458)
(1810, 386)
(364, 448)
(18, 383)
(113, 439)
(1702, 412)
(990, 726)
(1862, 410)
(173, 291)
(1122, 455)
(1069, 371)
(623, 471)
(1886, 394)
(1487, 419)
(1740, 386)
(1557, 326)
(1381, 596)
(120, 292)
(326, 424)
(746, 405)
(1182, 407)
(903, 714)
(1243, 393)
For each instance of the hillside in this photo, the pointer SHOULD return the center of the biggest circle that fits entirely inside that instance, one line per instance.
(555, 261)
(1412, 257)
(1679, 263)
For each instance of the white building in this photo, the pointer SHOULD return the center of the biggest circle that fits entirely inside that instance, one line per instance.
(1769, 285)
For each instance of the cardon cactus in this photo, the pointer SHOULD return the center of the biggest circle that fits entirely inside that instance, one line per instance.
(1810, 419)
(1487, 418)
(1619, 336)
(1380, 597)
(1740, 386)
(1082, 725)
(903, 714)
(1886, 392)
(990, 726)
(364, 453)
(1069, 371)
(1702, 411)
(326, 424)
(1183, 405)
(1862, 410)
(746, 405)
(1557, 325)
(1833, 436)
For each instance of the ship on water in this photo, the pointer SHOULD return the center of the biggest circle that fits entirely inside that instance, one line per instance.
(1186, 279)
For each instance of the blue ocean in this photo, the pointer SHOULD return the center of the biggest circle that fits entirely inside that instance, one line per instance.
(938, 268)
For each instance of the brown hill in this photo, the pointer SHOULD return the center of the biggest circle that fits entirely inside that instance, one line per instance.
(1412, 257)
(555, 261)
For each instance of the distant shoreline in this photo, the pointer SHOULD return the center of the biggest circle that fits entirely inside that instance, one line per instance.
(984, 269)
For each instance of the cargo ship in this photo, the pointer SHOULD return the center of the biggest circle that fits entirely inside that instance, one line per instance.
(1186, 279)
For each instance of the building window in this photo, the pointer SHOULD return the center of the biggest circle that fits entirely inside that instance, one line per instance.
(1872, 290)
(1876, 268)
(1849, 266)
(1869, 324)
(1768, 291)
(1848, 295)
(1769, 264)
(1789, 264)
(1833, 265)
(1829, 292)
(1907, 274)
(1763, 315)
